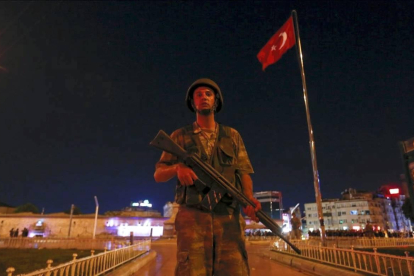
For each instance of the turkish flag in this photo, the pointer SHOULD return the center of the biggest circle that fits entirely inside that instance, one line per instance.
(281, 41)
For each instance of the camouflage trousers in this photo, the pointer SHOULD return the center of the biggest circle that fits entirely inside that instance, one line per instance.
(210, 244)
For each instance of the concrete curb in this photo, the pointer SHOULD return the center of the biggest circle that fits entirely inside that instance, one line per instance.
(134, 265)
(309, 266)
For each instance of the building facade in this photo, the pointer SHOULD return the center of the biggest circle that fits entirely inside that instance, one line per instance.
(6, 209)
(141, 223)
(355, 209)
(61, 225)
(271, 202)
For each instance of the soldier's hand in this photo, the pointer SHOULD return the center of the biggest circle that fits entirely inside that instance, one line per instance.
(250, 211)
(185, 175)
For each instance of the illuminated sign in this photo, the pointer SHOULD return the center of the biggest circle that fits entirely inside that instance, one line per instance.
(142, 204)
(286, 223)
(395, 191)
(146, 204)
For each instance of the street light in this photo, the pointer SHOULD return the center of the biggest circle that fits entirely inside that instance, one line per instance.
(96, 216)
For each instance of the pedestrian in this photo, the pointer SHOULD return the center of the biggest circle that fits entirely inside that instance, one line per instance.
(369, 231)
(16, 233)
(209, 243)
(11, 233)
(25, 232)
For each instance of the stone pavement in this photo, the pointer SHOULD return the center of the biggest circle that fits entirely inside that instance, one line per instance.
(165, 260)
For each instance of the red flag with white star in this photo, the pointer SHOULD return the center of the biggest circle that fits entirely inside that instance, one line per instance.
(281, 41)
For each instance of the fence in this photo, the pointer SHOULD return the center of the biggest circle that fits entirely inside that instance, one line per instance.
(93, 265)
(347, 242)
(262, 238)
(371, 263)
(65, 243)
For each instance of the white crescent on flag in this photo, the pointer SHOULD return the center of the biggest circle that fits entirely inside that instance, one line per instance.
(278, 44)
(284, 35)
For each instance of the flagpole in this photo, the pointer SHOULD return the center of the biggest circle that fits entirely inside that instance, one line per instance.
(316, 182)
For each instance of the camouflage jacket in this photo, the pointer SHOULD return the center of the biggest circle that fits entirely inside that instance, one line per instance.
(229, 157)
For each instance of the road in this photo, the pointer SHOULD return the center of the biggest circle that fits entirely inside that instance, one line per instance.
(165, 261)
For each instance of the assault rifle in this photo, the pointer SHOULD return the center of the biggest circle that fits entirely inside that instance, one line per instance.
(212, 184)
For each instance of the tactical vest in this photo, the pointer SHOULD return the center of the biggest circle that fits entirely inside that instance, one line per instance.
(223, 159)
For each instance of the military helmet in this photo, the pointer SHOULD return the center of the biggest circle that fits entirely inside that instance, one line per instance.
(208, 83)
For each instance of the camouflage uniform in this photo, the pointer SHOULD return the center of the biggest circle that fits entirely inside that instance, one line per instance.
(210, 243)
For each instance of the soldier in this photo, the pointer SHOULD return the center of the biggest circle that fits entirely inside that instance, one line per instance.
(296, 224)
(209, 243)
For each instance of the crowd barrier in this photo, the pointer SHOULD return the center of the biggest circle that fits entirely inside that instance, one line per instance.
(348, 242)
(67, 243)
(373, 263)
(95, 264)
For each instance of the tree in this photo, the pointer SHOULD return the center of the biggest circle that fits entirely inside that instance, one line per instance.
(28, 207)
(407, 209)
(76, 211)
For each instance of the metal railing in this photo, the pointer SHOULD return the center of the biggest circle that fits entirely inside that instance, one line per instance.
(262, 238)
(379, 242)
(93, 265)
(348, 242)
(66, 243)
(372, 263)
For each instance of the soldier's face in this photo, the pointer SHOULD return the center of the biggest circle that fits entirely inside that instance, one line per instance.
(203, 100)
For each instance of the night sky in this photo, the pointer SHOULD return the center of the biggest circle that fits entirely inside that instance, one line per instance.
(85, 86)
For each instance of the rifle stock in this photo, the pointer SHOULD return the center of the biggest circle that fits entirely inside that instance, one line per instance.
(218, 184)
(164, 142)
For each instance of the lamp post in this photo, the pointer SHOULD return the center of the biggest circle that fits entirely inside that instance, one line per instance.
(70, 219)
(407, 154)
(96, 216)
